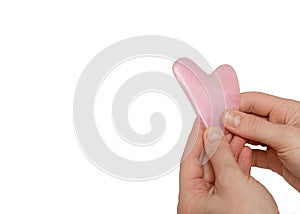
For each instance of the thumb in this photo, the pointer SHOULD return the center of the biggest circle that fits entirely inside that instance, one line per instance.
(255, 128)
(218, 149)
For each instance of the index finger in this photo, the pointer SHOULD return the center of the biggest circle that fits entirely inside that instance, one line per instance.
(264, 105)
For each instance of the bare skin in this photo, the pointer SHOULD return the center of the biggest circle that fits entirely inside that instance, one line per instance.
(275, 122)
(224, 185)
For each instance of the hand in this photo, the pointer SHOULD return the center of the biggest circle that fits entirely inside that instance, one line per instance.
(223, 185)
(275, 122)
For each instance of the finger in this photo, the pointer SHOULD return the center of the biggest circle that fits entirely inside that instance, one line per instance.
(237, 144)
(264, 105)
(241, 153)
(229, 137)
(222, 158)
(254, 128)
(208, 173)
(189, 167)
(259, 159)
(267, 160)
(245, 160)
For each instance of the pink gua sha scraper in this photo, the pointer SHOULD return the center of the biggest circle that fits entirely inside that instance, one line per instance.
(209, 94)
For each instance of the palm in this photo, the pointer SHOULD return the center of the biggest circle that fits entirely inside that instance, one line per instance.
(207, 188)
(198, 181)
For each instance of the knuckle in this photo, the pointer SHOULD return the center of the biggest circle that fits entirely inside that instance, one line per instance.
(252, 124)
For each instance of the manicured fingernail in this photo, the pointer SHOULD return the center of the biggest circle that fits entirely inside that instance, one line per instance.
(212, 135)
(232, 119)
(212, 139)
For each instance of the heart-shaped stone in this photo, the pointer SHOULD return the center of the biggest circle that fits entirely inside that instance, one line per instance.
(209, 94)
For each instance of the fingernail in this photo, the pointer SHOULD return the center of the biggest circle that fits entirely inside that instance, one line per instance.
(212, 135)
(212, 139)
(231, 119)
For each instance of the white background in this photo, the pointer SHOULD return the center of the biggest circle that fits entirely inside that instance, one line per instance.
(44, 47)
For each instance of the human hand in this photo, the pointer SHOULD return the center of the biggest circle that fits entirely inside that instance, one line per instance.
(275, 122)
(223, 185)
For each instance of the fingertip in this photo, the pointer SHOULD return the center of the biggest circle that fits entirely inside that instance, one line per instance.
(231, 119)
(237, 144)
(229, 137)
(212, 133)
